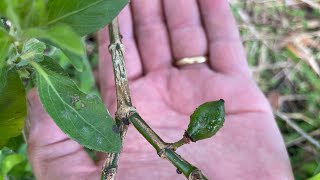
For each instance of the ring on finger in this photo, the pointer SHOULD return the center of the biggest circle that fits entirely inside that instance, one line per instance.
(191, 60)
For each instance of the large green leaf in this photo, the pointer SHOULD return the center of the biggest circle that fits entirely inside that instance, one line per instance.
(84, 16)
(5, 41)
(83, 117)
(12, 104)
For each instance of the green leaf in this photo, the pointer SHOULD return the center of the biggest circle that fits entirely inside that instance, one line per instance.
(74, 59)
(8, 9)
(24, 13)
(206, 120)
(10, 162)
(12, 104)
(15, 143)
(86, 78)
(84, 16)
(316, 177)
(32, 50)
(1, 23)
(61, 34)
(5, 42)
(83, 117)
(37, 14)
(63, 37)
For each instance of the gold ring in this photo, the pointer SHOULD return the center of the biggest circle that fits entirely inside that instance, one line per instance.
(191, 60)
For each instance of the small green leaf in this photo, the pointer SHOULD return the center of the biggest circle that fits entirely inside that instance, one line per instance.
(32, 50)
(5, 42)
(12, 104)
(84, 16)
(10, 162)
(83, 117)
(206, 120)
(24, 73)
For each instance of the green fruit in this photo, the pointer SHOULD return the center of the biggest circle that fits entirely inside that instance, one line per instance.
(206, 120)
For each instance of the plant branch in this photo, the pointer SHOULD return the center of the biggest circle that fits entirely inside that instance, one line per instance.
(124, 105)
(164, 150)
(185, 140)
(127, 113)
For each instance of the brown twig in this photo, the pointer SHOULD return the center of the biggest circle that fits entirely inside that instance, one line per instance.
(300, 139)
(124, 104)
(298, 129)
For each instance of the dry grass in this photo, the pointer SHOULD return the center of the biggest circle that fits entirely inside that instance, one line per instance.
(282, 40)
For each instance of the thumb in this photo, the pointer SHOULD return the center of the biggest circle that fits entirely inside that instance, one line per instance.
(51, 153)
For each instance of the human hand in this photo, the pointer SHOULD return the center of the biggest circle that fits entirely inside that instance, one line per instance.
(249, 146)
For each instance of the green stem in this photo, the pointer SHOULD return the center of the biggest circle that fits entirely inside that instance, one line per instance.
(164, 151)
(146, 131)
(176, 145)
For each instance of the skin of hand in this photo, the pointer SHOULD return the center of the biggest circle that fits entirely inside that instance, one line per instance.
(157, 32)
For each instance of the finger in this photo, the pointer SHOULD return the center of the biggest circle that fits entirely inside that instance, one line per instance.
(151, 33)
(187, 35)
(225, 47)
(50, 152)
(133, 63)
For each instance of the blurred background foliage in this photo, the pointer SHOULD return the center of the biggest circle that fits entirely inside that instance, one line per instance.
(282, 41)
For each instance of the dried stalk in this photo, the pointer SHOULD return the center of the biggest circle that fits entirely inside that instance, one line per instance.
(298, 129)
(124, 104)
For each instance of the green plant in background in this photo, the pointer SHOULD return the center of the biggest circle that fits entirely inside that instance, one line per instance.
(316, 177)
(32, 34)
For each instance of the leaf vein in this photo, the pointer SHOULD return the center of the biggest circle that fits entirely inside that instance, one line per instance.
(73, 12)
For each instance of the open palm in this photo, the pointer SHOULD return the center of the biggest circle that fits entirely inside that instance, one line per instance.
(156, 33)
